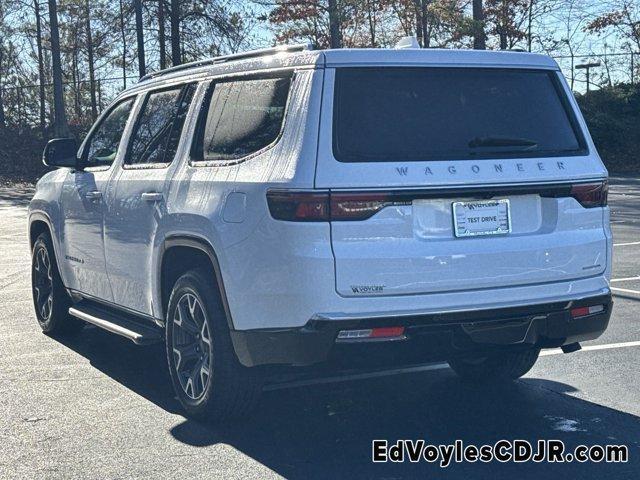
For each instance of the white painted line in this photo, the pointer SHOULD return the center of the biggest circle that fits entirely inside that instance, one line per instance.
(357, 376)
(7, 302)
(589, 348)
(625, 290)
(425, 368)
(627, 279)
(16, 290)
(625, 244)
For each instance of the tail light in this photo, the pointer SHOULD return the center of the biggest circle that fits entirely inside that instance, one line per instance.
(584, 311)
(591, 194)
(380, 333)
(357, 206)
(299, 206)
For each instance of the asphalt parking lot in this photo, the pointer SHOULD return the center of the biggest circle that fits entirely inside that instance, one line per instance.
(97, 406)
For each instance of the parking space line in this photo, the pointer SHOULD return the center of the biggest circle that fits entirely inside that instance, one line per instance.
(16, 290)
(357, 376)
(424, 368)
(625, 244)
(626, 279)
(625, 290)
(589, 348)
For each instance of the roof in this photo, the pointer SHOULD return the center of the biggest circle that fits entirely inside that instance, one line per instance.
(440, 57)
(297, 56)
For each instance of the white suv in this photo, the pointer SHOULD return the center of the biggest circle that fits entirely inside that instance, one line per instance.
(359, 208)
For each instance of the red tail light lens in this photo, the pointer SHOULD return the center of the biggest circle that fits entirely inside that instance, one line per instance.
(387, 332)
(355, 206)
(591, 195)
(299, 206)
(584, 311)
(325, 206)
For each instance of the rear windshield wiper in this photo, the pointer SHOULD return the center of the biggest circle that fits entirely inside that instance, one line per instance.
(479, 142)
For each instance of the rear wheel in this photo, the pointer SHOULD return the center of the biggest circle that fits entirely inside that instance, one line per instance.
(50, 299)
(496, 367)
(206, 375)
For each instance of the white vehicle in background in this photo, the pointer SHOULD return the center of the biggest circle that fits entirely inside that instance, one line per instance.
(340, 208)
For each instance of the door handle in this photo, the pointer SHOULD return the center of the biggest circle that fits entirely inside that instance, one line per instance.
(152, 196)
(94, 195)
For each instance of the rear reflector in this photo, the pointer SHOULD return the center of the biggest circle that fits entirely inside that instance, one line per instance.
(371, 333)
(584, 311)
(591, 195)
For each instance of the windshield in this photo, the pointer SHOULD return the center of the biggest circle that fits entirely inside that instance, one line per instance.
(437, 113)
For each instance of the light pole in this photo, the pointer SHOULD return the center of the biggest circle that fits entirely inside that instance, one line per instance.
(587, 66)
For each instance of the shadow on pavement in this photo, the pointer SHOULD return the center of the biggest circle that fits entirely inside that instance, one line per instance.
(18, 195)
(325, 431)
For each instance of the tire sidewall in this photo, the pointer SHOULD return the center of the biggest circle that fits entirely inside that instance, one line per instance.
(59, 306)
(193, 284)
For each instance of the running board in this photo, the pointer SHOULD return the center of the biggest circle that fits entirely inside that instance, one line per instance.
(117, 323)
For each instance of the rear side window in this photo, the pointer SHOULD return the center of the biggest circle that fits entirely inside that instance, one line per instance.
(243, 117)
(102, 146)
(159, 125)
(404, 114)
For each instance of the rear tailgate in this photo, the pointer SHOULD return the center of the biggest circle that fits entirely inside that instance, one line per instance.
(395, 233)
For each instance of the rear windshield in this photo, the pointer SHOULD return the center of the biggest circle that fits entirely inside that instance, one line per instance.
(436, 113)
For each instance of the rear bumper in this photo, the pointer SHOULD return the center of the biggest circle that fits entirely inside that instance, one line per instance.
(433, 337)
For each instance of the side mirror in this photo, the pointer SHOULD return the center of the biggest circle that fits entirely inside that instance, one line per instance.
(61, 152)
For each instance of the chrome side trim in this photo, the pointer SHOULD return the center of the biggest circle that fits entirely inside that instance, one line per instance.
(135, 337)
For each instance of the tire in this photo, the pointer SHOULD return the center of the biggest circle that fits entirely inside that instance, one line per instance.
(207, 377)
(497, 367)
(51, 301)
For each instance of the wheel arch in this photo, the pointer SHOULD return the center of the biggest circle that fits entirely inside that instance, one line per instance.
(39, 223)
(180, 253)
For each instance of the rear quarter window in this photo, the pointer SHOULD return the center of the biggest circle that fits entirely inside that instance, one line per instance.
(438, 113)
(243, 117)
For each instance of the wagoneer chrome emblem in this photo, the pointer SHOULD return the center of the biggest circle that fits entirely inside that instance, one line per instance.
(519, 168)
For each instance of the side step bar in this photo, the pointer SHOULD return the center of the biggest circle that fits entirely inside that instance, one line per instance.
(118, 323)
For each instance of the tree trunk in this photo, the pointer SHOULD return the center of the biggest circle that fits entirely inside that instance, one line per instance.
(335, 32)
(41, 92)
(503, 41)
(426, 35)
(61, 127)
(124, 47)
(372, 22)
(3, 120)
(92, 74)
(530, 26)
(176, 57)
(161, 35)
(417, 5)
(75, 76)
(142, 68)
(479, 42)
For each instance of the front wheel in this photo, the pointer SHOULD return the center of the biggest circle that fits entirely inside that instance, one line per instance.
(50, 299)
(208, 379)
(495, 367)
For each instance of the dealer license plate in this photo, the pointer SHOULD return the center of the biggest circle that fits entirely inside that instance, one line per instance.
(483, 217)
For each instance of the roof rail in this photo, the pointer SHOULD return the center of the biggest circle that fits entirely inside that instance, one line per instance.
(229, 58)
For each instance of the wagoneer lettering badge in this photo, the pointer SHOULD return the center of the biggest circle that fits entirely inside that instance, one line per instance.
(453, 169)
